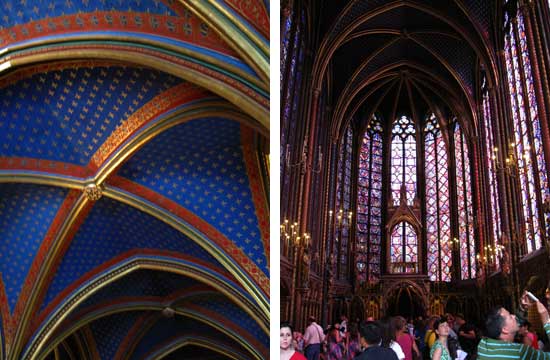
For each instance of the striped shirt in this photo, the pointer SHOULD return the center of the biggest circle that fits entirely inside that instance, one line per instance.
(491, 349)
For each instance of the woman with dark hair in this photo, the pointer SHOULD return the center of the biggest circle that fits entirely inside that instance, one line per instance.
(287, 351)
(440, 350)
(388, 336)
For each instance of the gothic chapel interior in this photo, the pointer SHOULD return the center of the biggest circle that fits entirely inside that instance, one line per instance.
(134, 221)
(415, 156)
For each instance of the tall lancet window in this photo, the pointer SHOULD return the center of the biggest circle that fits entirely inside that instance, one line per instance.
(369, 203)
(465, 206)
(527, 147)
(438, 211)
(403, 159)
(292, 56)
(343, 203)
(492, 171)
(292, 48)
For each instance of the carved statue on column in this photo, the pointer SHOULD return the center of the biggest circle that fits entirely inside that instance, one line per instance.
(316, 261)
(306, 262)
(480, 269)
(331, 264)
(403, 195)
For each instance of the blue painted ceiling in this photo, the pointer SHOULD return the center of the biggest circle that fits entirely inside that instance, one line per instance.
(66, 115)
(56, 114)
(199, 164)
(39, 9)
(112, 229)
(26, 212)
(221, 305)
(138, 284)
(165, 329)
(110, 331)
(146, 286)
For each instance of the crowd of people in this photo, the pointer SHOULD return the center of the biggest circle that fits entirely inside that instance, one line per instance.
(447, 337)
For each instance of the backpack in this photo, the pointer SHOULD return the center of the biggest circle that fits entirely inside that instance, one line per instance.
(452, 344)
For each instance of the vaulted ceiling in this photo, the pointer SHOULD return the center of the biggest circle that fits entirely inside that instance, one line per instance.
(403, 57)
(133, 201)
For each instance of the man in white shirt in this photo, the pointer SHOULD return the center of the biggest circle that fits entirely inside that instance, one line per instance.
(313, 337)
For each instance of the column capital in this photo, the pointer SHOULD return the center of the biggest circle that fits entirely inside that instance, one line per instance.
(525, 6)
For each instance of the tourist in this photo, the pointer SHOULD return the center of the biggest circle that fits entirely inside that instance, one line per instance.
(353, 342)
(467, 336)
(420, 333)
(501, 329)
(440, 350)
(287, 351)
(404, 338)
(430, 337)
(528, 338)
(313, 337)
(335, 349)
(388, 337)
(299, 341)
(371, 337)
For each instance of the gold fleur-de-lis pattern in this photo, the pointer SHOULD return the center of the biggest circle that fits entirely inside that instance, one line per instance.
(65, 115)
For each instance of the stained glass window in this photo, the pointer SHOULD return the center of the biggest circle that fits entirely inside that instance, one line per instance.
(438, 211)
(527, 146)
(343, 202)
(539, 166)
(293, 48)
(403, 159)
(338, 217)
(369, 203)
(492, 157)
(404, 249)
(285, 41)
(288, 74)
(465, 206)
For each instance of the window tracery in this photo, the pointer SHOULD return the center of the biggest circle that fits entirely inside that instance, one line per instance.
(403, 159)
